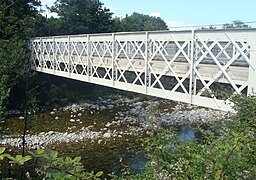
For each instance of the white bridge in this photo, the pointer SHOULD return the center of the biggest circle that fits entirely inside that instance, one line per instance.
(201, 67)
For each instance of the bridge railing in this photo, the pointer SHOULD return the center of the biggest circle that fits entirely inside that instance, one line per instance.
(202, 67)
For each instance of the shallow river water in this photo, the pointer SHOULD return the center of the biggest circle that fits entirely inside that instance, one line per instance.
(106, 133)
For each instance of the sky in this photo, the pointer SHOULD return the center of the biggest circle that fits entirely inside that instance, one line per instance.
(177, 13)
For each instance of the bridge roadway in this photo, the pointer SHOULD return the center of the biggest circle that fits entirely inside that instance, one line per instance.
(188, 68)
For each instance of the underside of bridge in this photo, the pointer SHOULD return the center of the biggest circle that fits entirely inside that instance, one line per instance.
(201, 67)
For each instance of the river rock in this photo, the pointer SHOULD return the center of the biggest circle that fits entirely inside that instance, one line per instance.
(108, 124)
(138, 104)
(14, 112)
(103, 107)
(110, 106)
(52, 112)
(79, 114)
(56, 118)
(21, 117)
(72, 120)
(107, 135)
(121, 114)
(133, 111)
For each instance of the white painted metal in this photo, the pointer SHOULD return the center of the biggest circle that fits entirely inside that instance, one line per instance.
(187, 66)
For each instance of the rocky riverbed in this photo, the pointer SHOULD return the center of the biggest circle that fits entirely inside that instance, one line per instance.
(108, 118)
(106, 132)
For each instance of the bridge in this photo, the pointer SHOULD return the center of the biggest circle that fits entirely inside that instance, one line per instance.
(201, 67)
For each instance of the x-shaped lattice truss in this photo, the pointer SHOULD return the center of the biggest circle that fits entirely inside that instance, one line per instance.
(192, 63)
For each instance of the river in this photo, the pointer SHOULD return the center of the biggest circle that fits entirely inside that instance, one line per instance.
(107, 133)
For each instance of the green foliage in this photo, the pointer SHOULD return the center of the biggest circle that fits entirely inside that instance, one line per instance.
(235, 24)
(62, 168)
(17, 21)
(4, 94)
(139, 22)
(17, 18)
(227, 153)
(2, 154)
(54, 167)
(79, 16)
(246, 111)
(18, 159)
(89, 16)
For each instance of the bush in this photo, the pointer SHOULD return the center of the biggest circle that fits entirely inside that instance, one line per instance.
(226, 153)
(50, 166)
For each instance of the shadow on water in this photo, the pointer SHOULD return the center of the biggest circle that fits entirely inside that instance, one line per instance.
(116, 155)
(135, 158)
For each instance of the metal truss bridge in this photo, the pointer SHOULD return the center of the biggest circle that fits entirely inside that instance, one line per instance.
(201, 67)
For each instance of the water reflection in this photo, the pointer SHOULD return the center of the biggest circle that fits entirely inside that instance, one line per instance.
(187, 132)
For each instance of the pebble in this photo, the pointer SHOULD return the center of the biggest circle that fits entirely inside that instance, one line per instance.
(107, 135)
(46, 138)
(110, 106)
(108, 124)
(72, 120)
(56, 118)
(21, 117)
(79, 114)
(52, 112)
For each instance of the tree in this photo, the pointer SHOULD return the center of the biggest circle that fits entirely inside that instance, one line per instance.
(17, 20)
(235, 24)
(210, 27)
(141, 22)
(79, 16)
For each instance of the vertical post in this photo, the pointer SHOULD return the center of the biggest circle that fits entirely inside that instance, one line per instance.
(191, 78)
(31, 52)
(69, 66)
(195, 58)
(113, 60)
(252, 68)
(53, 54)
(41, 54)
(88, 57)
(146, 73)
